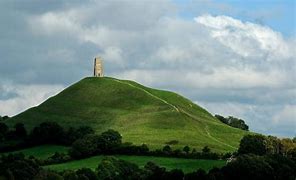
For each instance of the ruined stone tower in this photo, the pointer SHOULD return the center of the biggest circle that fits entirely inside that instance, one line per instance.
(98, 67)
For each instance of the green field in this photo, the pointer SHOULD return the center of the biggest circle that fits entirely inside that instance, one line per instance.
(187, 165)
(139, 113)
(42, 152)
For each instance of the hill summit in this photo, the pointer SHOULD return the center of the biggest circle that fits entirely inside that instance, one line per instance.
(139, 113)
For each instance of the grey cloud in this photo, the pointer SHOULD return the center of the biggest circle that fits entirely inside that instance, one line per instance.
(147, 42)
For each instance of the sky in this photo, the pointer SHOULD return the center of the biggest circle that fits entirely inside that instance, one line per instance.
(234, 58)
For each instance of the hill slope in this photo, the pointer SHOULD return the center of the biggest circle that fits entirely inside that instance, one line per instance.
(139, 113)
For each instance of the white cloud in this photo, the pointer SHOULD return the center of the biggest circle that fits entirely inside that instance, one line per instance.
(25, 96)
(210, 59)
(247, 39)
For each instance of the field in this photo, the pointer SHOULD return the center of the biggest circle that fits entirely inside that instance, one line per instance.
(139, 113)
(187, 165)
(42, 152)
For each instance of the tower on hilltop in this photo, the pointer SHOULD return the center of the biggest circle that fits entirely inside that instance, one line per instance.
(98, 67)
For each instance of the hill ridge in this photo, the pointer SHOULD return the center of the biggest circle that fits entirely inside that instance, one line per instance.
(141, 114)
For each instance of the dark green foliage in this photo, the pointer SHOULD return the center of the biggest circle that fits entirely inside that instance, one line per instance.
(20, 130)
(48, 175)
(283, 168)
(72, 134)
(111, 139)
(84, 147)
(186, 149)
(153, 171)
(255, 144)
(88, 173)
(175, 174)
(70, 175)
(47, 133)
(248, 167)
(200, 174)
(167, 150)
(3, 118)
(234, 122)
(57, 158)
(17, 167)
(3, 131)
(112, 168)
(206, 149)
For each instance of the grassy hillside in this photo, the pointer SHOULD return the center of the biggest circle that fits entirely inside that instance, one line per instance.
(187, 165)
(140, 114)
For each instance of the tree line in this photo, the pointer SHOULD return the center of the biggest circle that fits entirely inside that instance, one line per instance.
(84, 143)
(258, 157)
(233, 122)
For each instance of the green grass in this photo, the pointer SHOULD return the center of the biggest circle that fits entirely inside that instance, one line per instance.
(187, 165)
(42, 152)
(139, 113)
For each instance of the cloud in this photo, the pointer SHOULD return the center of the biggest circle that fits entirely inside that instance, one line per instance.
(247, 39)
(228, 65)
(24, 96)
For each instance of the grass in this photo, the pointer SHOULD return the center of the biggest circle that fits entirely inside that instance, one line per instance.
(187, 165)
(42, 152)
(139, 113)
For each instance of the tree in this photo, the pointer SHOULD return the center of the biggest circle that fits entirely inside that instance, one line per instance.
(47, 132)
(206, 149)
(113, 137)
(73, 134)
(3, 131)
(15, 166)
(153, 171)
(48, 175)
(175, 174)
(91, 175)
(167, 149)
(233, 121)
(84, 147)
(109, 141)
(186, 149)
(273, 145)
(247, 167)
(200, 174)
(286, 145)
(255, 144)
(20, 130)
(113, 168)
(143, 149)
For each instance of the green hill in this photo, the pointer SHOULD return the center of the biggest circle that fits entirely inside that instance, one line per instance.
(139, 113)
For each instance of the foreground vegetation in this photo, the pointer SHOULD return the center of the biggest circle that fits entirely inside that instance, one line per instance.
(41, 152)
(142, 115)
(186, 165)
(91, 156)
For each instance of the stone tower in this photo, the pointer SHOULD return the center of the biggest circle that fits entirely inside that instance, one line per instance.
(98, 67)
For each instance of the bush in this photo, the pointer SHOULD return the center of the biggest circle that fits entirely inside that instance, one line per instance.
(48, 175)
(255, 144)
(86, 172)
(15, 166)
(47, 133)
(84, 147)
(113, 168)
(167, 150)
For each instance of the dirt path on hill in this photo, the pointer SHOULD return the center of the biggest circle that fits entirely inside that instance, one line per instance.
(178, 110)
(150, 94)
(207, 130)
